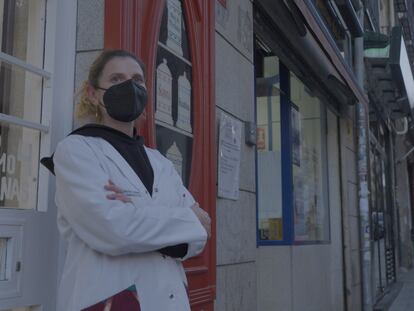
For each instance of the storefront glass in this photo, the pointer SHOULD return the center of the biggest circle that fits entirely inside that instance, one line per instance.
(269, 150)
(311, 213)
(22, 29)
(292, 188)
(19, 165)
(20, 93)
(22, 32)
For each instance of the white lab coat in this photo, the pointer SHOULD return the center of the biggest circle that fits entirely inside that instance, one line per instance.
(112, 245)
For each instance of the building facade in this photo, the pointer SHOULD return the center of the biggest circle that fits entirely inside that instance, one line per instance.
(318, 92)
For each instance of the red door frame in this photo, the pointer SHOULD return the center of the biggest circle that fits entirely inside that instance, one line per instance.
(134, 25)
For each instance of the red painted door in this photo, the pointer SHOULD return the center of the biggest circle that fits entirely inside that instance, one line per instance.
(175, 39)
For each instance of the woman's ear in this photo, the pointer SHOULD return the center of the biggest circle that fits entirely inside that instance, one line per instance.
(92, 94)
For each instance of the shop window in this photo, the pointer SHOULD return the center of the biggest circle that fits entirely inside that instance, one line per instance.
(311, 213)
(269, 151)
(174, 99)
(292, 190)
(22, 79)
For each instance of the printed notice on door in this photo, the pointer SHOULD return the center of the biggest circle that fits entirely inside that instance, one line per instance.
(229, 157)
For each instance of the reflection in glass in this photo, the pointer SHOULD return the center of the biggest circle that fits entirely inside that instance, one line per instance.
(22, 29)
(22, 32)
(19, 164)
(269, 171)
(310, 205)
(20, 93)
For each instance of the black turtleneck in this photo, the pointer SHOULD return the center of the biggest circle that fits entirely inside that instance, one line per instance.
(131, 149)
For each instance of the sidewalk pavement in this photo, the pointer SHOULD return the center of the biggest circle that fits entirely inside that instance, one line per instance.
(405, 298)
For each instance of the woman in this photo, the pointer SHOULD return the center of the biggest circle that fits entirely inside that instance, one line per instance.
(122, 208)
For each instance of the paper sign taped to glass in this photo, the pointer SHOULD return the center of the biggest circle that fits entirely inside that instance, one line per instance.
(229, 157)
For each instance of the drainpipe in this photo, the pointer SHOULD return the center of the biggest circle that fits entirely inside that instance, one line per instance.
(363, 147)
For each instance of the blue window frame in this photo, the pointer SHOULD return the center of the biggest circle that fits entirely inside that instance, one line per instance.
(279, 149)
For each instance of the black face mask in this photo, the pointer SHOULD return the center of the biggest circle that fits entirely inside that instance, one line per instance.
(125, 101)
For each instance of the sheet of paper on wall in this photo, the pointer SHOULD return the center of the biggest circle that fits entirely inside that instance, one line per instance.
(229, 157)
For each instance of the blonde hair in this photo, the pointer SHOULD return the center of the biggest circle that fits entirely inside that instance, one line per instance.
(85, 108)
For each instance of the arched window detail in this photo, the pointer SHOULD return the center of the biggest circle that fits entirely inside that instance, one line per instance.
(173, 90)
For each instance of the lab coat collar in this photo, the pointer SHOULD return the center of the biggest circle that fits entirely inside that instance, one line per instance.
(113, 155)
(156, 166)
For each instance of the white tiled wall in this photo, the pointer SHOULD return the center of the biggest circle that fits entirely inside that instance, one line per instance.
(236, 220)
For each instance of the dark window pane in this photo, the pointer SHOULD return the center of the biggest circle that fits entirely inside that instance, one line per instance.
(173, 96)
(176, 147)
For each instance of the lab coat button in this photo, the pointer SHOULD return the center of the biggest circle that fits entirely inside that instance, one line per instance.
(183, 195)
(171, 296)
(156, 189)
